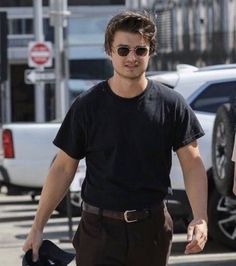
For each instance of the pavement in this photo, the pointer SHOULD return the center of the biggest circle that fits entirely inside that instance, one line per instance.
(16, 216)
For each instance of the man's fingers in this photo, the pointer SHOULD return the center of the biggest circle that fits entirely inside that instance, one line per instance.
(194, 248)
(25, 247)
(35, 253)
(190, 233)
(190, 245)
(196, 236)
(197, 244)
(35, 257)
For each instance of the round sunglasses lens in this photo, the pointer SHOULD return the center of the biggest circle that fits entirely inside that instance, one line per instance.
(123, 51)
(141, 51)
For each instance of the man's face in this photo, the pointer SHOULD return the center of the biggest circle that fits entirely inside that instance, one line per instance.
(134, 64)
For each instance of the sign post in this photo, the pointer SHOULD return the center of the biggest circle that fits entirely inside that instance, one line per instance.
(58, 19)
(39, 95)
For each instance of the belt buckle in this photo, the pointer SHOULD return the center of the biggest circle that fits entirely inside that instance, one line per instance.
(126, 216)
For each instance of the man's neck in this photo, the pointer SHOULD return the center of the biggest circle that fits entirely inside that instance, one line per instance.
(128, 88)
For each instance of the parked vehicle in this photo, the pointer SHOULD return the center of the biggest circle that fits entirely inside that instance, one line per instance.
(223, 173)
(28, 153)
(205, 89)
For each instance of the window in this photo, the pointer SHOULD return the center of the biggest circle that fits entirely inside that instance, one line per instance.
(15, 26)
(91, 69)
(28, 26)
(85, 73)
(20, 26)
(88, 25)
(213, 96)
(25, 26)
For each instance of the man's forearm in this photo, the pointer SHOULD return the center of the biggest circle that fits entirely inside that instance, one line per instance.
(55, 187)
(197, 191)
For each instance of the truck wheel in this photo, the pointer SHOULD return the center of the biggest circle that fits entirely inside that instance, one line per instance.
(222, 222)
(222, 145)
(75, 204)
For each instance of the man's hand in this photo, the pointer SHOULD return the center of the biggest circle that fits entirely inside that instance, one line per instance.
(196, 236)
(33, 241)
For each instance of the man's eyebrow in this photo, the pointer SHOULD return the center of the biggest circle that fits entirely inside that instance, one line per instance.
(126, 45)
(122, 45)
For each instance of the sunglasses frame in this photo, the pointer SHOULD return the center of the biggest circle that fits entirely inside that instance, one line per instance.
(132, 49)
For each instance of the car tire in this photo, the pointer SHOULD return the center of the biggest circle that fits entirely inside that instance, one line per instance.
(222, 223)
(222, 145)
(75, 205)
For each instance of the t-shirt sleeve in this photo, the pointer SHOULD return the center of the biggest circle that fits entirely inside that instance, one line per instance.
(187, 127)
(71, 135)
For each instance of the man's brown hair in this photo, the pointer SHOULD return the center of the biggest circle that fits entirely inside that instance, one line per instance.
(133, 22)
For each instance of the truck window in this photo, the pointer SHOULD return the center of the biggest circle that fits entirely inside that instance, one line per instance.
(214, 96)
(90, 69)
(85, 73)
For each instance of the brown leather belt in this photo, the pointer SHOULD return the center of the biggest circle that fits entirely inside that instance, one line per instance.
(128, 216)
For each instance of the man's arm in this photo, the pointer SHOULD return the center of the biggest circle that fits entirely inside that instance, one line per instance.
(195, 180)
(55, 187)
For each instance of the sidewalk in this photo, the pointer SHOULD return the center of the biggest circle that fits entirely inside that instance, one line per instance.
(16, 216)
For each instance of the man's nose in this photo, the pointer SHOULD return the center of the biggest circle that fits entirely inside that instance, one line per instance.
(132, 54)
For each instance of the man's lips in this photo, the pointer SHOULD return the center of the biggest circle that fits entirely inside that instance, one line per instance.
(131, 66)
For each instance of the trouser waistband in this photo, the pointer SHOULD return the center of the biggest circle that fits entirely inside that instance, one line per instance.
(128, 216)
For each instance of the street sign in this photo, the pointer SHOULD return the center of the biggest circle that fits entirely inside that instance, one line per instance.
(33, 76)
(40, 54)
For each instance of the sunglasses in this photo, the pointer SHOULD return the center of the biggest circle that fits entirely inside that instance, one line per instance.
(139, 51)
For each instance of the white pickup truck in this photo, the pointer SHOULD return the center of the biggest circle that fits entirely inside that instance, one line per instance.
(28, 152)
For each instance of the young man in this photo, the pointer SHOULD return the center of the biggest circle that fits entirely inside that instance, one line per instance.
(126, 128)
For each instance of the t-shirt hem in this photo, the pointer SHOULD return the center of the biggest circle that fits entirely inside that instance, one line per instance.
(76, 157)
(188, 140)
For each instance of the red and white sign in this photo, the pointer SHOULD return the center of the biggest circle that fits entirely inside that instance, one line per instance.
(40, 54)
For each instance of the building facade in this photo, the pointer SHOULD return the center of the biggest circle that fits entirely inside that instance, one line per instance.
(84, 43)
(197, 32)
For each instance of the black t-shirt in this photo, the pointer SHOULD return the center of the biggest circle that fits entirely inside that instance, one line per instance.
(127, 143)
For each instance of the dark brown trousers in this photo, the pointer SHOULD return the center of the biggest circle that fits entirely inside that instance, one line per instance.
(102, 241)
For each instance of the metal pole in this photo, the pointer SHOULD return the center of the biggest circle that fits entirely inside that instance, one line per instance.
(39, 87)
(66, 68)
(58, 16)
(59, 57)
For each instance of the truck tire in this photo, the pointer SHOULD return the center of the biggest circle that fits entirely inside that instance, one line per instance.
(222, 223)
(75, 205)
(222, 145)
